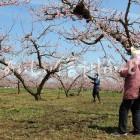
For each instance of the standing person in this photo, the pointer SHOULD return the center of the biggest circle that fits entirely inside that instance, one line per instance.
(96, 87)
(131, 98)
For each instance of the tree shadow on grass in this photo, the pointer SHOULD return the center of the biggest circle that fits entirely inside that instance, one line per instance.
(108, 130)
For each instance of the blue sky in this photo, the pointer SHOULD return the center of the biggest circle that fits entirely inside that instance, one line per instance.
(20, 15)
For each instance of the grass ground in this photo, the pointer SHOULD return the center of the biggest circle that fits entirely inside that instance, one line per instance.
(73, 118)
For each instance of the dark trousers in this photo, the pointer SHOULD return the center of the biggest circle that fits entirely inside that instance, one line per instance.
(134, 106)
(95, 94)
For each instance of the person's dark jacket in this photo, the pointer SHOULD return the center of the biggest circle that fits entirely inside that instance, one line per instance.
(95, 81)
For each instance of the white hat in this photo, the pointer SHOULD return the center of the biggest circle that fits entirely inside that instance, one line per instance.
(135, 51)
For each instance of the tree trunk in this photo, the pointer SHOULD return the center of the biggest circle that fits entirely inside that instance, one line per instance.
(66, 93)
(37, 97)
(18, 86)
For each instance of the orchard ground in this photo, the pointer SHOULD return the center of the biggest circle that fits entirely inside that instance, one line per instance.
(53, 118)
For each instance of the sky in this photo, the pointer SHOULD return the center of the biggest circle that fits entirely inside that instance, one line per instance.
(22, 19)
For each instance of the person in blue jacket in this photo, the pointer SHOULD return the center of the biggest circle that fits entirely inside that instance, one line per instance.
(96, 87)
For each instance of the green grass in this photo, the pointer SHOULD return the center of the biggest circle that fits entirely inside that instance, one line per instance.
(53, 118)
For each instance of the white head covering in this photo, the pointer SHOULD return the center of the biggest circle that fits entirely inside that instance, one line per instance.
(135, 52)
